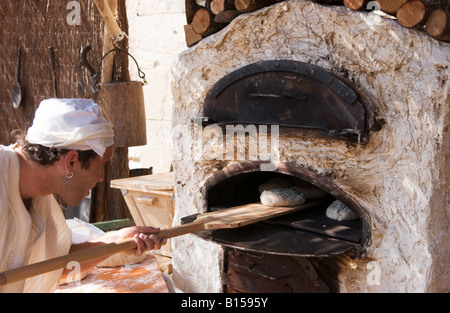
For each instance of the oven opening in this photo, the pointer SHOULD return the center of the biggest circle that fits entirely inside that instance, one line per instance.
(323, 216)
(247, 188)
(307, 232)
(297, 252)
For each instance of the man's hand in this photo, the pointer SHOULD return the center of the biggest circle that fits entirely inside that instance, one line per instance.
(144, 238)
(140, 235)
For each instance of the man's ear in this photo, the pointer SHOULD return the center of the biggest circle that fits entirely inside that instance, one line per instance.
(70, 159)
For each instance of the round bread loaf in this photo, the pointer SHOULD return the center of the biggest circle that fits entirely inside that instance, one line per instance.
(340, 212)
(282, 197)
(121, 259)
(275, 183)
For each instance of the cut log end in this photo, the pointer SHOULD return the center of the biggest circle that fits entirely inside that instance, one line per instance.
(356, 4)
(218, 6)
(191, 36)
(251, 5)
(438, 25)
(412, 14)
(243, 6)
(191, 7)
(391, 6)
(201, 21)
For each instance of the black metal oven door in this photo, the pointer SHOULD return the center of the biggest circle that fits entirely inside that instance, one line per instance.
(303, 99)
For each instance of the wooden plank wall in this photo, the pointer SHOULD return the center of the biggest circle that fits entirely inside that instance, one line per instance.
(34, 26)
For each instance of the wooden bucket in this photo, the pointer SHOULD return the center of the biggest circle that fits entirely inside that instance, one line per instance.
(122, 103)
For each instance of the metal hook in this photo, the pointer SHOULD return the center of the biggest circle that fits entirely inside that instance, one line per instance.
(93, 88)
(141, 74)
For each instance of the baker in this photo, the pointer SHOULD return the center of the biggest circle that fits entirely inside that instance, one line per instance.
(62, 153)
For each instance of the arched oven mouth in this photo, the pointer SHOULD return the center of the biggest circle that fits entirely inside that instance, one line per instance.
(308, 232)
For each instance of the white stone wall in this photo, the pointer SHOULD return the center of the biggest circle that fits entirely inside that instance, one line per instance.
(156, 37)
(400, 177)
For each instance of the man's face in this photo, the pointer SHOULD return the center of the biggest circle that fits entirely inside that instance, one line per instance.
(77, 188)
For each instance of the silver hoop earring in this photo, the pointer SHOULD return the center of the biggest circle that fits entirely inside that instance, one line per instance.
(69, 176)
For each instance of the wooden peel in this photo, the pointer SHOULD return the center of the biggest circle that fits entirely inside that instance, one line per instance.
(228, 218)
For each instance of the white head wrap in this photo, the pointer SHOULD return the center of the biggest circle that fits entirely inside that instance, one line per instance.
(75, 124)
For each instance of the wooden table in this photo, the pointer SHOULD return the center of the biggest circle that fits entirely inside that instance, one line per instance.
(145, 277)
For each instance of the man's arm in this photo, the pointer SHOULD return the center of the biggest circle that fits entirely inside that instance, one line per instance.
(142, 235)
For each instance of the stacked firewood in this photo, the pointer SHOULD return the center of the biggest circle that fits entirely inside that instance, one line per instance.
(208, 17)
(431, 15)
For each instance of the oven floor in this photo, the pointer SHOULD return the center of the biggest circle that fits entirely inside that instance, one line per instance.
(305, 233)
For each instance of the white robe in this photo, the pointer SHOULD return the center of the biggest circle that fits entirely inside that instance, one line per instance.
(32, 236)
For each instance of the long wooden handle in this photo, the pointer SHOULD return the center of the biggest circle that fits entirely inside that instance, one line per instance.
(110, 20)
(236, 217)
(89, 254)
(181, 230)
(31, 270)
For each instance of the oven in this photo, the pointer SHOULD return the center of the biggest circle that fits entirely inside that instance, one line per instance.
(288, 94)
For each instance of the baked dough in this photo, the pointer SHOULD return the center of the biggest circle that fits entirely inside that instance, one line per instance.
(309, 190)
(118, 259)
(340, 212)
(275, 183)
(121, 259)
(282, 197)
